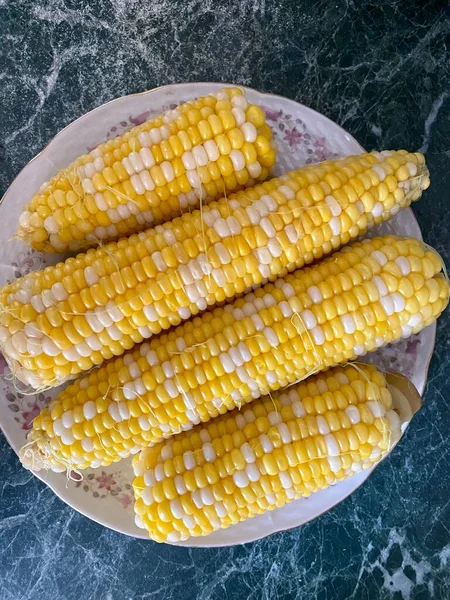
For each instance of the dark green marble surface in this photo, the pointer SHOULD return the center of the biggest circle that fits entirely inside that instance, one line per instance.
(382, 71)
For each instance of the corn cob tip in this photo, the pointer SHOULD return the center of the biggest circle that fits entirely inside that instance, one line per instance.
(37, 457)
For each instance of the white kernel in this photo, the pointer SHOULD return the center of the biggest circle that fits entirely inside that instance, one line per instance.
(288, 290)
(136, 161)
(200, 155)
(94, 322)
(207, 496)
(176, 508)
(333, 205)
(379, 171)
(388, 305)
(155, 134)
(147, 496)
(159, 472)
(253, 215)
(380, 257)
(159, 261)
(87, 444)
(322, 425)
(292, 234)
(226, 362)
(137, 184)
(412, 168)
(399, 301)
(252, 472)
(407, 330)
(287, 192)
(70, 354)
(353, 414)
(222, 253)
(249, 132)
(113, 332)
(257, 322)
(298, 409)
(188, 161)
(284, 433)
(238, 160)
(48, 346)
(315, 294)
(271, 337)
(90, 276)
(266, 444)
(89, 410)
(189, 460)
(37, 304)
(233, 225)
(380, 285)
(67, 437)
(254, 170)
(222, 228)
(268, 228)
(88, 186)
(240, 478)
(58, 427)
(376, 408)
(212, 150)
(285, 479)
(144, 139)
(348, 323)
(318, 335)
(167, 171)
(335, 225)
(377, 210)
(123, 410)
(309, 320)
(239, 116)
(335, 463)
(403, 264)
(415, 320)
(240, 101)
(331, 444)
(236, 357)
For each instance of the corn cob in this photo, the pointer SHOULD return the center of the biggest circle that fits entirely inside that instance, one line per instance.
(69, 318)
(369, 294)
(154, 172)
(280, 448)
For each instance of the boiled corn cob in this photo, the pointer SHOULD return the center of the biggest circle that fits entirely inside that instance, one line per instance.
(280, 448)
(69, 318)
(154, 172)
(369, 294)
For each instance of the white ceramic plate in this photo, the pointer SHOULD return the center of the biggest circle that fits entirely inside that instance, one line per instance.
(303, 136)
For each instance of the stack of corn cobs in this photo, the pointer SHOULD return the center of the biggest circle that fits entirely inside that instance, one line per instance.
(196, 333)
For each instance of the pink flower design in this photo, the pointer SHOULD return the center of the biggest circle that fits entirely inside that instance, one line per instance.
(272, 115)
(125, 500)
(320, 142)
(139, 119)
(106, 481)
(293, 137)
(26, 262)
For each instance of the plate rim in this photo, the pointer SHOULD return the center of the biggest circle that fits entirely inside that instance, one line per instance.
(41, 154)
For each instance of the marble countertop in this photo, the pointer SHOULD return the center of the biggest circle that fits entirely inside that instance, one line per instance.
(380, 69)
